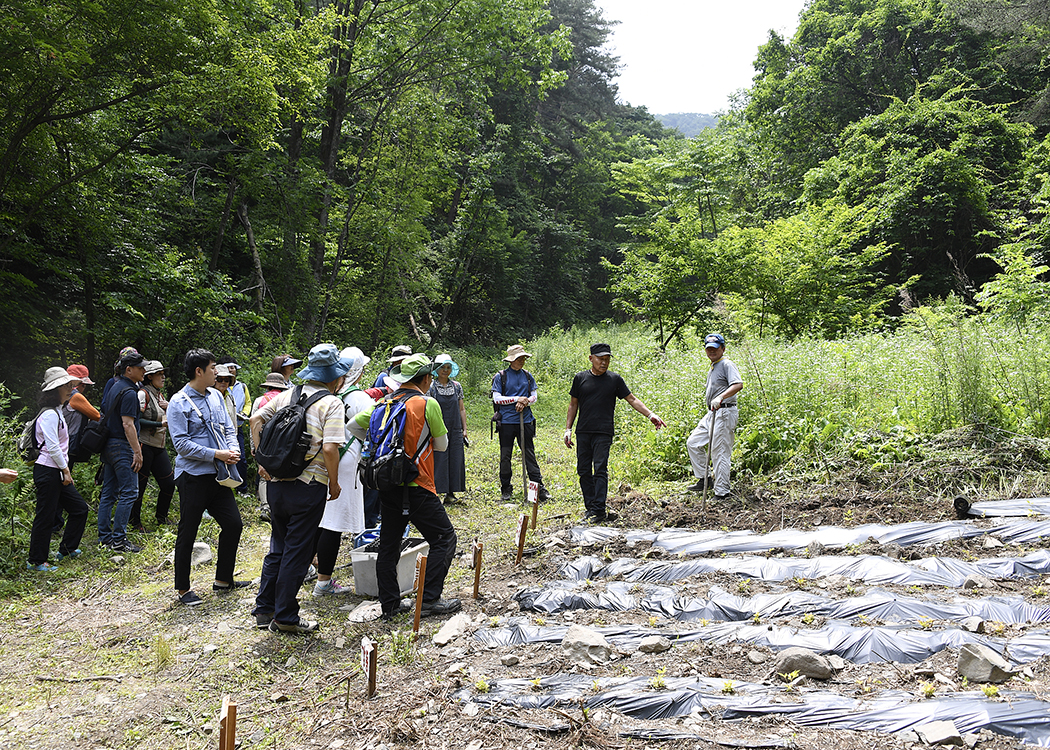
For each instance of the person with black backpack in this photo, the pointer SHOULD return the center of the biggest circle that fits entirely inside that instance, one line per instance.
(403, 431)
(297, 436)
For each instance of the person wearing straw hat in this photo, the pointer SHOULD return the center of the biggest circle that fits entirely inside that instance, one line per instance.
(514, 390)
(450, 466)
(153, 437)
(203, 434)
(274, 384)
(719, 420)
(417, 502)
(52, 477)
(122, 455)
(297, 504)
(593, 396)
(397, 354)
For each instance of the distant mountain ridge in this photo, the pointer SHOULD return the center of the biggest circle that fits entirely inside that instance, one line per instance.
(688, 123)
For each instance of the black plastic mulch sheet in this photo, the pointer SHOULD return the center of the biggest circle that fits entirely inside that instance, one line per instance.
(721, 606)
(688, 542)
(872, 569)
(860, 645)
(1021, 715)
(1018, 507)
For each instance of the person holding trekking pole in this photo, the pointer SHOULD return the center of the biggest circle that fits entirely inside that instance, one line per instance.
(514, 390)
(714, 433)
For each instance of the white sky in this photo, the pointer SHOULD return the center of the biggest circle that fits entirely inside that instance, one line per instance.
(690, 55)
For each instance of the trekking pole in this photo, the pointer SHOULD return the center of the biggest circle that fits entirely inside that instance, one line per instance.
(709, 473)
(524, 472)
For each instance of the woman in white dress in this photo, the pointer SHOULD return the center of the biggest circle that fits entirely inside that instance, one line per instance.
(345, 514)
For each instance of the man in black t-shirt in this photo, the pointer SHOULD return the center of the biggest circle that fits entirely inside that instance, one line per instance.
(593, 395)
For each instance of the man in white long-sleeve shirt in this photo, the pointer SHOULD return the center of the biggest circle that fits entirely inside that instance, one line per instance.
(514, 390)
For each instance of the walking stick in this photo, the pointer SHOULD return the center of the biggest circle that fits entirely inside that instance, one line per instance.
(521, 444)
(710, 459)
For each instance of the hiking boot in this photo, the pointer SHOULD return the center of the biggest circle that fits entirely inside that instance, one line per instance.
(262, 621)
(440, 607)
(506, 496)
(403, 607)
(190, 599)
(697, 486)
(542, 495)
(223, 587)
(330, 588)
(302, 627)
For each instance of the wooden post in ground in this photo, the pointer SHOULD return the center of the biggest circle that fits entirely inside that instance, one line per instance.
(476, 549)
(421, 573)
(368, 665)
(534, 499)
(523, 527)
(227, 724)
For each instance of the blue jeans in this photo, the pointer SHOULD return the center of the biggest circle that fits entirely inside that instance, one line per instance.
(120, 490)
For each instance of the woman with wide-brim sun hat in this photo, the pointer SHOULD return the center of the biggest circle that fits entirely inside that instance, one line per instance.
(52, 477)
(450, 466)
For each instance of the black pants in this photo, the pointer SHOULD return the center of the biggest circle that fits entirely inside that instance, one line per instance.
(327, 546)
(508, 433)
(296, 510)
(155, 461)
(428, 515)
(196, 495)
(592, 464)
(51, 495)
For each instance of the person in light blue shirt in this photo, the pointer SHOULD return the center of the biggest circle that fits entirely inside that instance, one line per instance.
(514, 390)
(202, 432)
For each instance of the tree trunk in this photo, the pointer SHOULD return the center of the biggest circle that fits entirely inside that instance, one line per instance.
(257, 275)
(224, 222)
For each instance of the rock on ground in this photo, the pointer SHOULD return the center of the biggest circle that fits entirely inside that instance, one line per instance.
(454, 628)
(201, 554)
(654, 644)
(939, 733)
(805, 662)
(585, 646)
(979, 663)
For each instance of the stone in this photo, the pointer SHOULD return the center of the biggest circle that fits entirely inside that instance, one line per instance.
(990, 542)
(907, 736)
(654, 644)
(509, 660)
(939, 733)
(979, 663)
(815, 549)
(292, 661)
(363, 612)
(585, 646)
(278, 698)
(973, 625)
(892, 550)
(805, 662)
(340, 642)
(456, 667)
(836, 580)
(454, 627)
(201, 554)
(210, 648)
(837, 662)
(117, 559)
(756, 657)
(976, 581)
(224, 628)
(471, 709)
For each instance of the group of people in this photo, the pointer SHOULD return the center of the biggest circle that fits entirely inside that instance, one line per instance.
(311, 511)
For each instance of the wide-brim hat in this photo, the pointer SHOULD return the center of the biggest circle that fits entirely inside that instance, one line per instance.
(154, 366)
(514, 352)
(442, 360)
(324, 364)
(358, 362)
(398, 353)
(223, 371)
(410, 367)
(80, 372)
(55, 377)
(275, 381)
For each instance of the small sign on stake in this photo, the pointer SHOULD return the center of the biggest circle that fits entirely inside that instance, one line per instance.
(227, 724)
(421, 574)
(475, 562)
(368, 665)
(534, 500)
(523, 527)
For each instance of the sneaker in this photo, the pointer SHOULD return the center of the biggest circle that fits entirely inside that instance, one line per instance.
(330, 588)
(262, 621)
(139, 528)
(61, 555)
(697, 486)
(125, 546)
(230, 586)
(41, 567)
(302, 627)
(164, 522)
(450, 498)
(507, 496)
(542, 495)
(311, 574)
(190, 599)
(440, 607)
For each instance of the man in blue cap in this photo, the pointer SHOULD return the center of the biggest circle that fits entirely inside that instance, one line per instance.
(723, 384)
(297, 503)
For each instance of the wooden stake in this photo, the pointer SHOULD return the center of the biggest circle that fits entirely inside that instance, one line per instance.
(368, 665)
(227, 724)
(523, 527)
(534, 498)
(421, 574)
(476, 549)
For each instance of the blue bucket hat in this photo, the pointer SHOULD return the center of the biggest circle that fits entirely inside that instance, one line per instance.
(324, 364)
(444, 359)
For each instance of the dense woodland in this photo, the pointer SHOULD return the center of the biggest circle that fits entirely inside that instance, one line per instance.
(262, 175)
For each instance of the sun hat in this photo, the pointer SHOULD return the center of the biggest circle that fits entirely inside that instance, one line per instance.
(515, 351)
(324, 364)
(358, 362)
(80, 372)
(410, 367)
(398, 353)
(275, 381)
(291, 361)
(713, 341)
(153, 367)
(233, 366)
(600, 350)
(444, 359)
(55, 377)
(223, 371)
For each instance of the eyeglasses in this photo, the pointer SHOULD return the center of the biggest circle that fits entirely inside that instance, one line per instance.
(223, 380)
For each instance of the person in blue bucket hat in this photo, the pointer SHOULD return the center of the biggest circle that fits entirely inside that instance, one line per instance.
(297, 504)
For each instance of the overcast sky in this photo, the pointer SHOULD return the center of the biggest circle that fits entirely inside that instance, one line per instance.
(690, 55)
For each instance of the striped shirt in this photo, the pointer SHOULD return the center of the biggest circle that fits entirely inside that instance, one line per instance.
(325, 422)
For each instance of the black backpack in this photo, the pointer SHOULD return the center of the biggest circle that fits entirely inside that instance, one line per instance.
(92, 436)
(284, 441)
